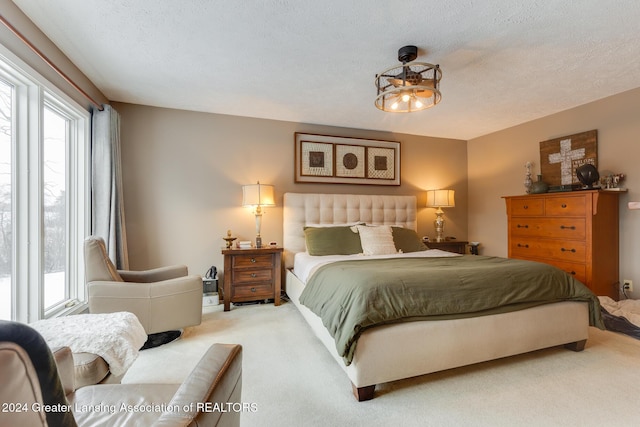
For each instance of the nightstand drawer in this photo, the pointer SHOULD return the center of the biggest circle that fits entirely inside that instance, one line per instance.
(252, 261)
(250, 276)
(253, 291)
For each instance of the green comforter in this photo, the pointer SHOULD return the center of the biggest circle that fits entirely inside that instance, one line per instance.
(351, 296)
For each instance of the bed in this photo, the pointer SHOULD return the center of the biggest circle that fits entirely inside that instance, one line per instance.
(395, 351)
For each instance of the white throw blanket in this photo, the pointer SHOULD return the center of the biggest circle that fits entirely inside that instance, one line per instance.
(116, 337)
(628, 308)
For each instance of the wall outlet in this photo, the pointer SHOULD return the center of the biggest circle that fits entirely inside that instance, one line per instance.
(627, 285)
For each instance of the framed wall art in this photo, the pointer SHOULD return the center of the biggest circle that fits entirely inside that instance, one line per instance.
(341, 160)
(560, 157)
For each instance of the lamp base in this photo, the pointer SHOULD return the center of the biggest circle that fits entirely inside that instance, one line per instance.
(258, 242)
(439, 225)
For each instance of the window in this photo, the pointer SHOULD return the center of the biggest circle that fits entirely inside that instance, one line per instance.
(43, 195)
(6, 220)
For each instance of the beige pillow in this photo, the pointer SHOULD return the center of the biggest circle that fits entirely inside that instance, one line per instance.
(377, 240)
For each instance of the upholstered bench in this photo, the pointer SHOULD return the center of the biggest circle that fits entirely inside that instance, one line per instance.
(103, 345)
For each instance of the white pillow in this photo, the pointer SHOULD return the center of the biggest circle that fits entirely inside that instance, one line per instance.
(376, 240)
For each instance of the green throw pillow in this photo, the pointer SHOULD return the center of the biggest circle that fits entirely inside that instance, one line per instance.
(340, 240)
(407, 240)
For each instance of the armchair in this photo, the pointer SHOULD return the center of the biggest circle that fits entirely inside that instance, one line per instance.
(42, 384)
(163, 299)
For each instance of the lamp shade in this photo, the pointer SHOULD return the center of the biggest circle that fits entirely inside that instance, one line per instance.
(441, 198)
(257, 195)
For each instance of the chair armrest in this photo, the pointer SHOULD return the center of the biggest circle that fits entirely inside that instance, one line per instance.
(66, 368)
(121, 290)
(154, 275)
(118, 290)
(217, 378)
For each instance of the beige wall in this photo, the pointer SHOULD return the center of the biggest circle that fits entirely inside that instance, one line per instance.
(496, 168)
(183, 175)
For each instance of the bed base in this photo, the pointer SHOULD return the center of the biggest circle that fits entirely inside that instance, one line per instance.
(366, 393)
(393, 352)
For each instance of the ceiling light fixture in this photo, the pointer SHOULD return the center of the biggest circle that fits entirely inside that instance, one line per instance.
(412, 86)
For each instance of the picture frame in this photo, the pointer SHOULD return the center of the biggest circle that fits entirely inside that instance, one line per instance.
(560, 157)
(343, 160)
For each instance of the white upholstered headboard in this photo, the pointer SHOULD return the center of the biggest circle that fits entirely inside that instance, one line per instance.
(302, 209)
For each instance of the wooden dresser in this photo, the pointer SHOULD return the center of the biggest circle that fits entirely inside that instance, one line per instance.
(575, 231)
(251, 275)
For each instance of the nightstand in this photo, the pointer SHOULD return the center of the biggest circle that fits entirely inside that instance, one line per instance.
(455, 246)
(251, 275)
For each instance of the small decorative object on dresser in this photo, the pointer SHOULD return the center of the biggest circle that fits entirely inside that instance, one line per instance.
(229, 239)
(539, 186)
(612, 182)
(574, 231)
(587, 174)
(251, 275)
(527, 177)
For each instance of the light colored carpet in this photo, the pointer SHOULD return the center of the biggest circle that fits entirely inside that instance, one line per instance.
(294, 381)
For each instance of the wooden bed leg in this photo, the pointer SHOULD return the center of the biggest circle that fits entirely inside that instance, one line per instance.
(363, 393)
(576, 346)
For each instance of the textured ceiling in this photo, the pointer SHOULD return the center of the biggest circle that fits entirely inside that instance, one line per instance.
(504, 62)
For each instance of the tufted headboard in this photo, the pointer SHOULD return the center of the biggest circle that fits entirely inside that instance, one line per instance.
(302, 209)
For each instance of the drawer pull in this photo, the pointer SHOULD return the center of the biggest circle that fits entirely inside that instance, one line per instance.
(253, 289)
(526, 206)
(523, 246)
(564, 205)
(567, 227)
(253, 260)
(254, 275)
(522, 226)
(568, 250)
(573, 273)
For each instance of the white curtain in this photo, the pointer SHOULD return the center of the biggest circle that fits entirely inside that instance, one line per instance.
(107, 199)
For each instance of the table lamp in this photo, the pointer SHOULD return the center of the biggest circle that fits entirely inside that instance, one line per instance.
(256, 196)
(440, 199)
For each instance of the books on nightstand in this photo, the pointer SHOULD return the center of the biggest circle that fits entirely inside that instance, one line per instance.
(244, 244)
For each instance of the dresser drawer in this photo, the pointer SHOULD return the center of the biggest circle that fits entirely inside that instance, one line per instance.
(569, 228)
(579, 271)
(256, 291)
(252, 261)
(251, 276)
(547, 248)
(527, 207)
(566, 206)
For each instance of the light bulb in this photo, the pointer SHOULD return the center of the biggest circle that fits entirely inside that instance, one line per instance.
(394, 106)
(418, 104)
(406, 97)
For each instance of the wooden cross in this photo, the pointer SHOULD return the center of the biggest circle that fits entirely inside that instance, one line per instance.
(565, 158)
